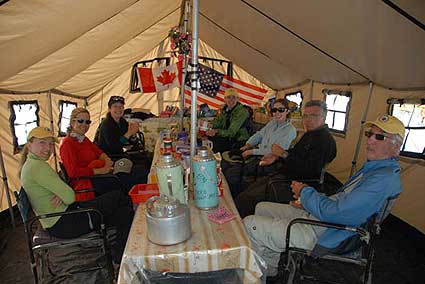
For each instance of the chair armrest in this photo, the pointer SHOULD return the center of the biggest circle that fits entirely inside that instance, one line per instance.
(73, 212)
(364, 234)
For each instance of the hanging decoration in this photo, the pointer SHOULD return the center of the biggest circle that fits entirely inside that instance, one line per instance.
(180, 43)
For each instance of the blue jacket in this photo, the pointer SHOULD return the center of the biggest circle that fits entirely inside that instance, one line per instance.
(273, 133)
(361, 196)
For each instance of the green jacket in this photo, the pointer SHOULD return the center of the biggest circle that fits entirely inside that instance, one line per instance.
(41, 182)
(231, 123)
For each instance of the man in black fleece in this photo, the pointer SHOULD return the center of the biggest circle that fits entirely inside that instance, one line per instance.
(314, 150)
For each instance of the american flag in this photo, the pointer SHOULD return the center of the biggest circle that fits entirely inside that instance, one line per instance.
(213, 85)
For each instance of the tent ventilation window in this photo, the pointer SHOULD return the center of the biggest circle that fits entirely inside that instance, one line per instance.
(412, 113)
(23, 118)
(338, 103)
(65, 109)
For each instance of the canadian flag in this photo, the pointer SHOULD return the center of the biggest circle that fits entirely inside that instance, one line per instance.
(153, 80)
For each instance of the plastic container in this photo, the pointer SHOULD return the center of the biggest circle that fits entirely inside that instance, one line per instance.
(140, 193)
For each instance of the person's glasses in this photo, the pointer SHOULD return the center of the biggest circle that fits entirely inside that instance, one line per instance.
(279, 109)
(378, 136)
(312, 116)
(81, 121)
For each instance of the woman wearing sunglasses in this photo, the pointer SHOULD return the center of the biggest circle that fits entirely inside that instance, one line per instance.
(278, 131)
(81, 157)
(47, 194)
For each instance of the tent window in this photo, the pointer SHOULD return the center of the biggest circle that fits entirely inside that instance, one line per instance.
(23, 118)
(296, 97)
(338, 103)
(412, 114)
(65, 109)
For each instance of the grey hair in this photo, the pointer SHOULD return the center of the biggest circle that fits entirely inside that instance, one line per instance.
(318, 103)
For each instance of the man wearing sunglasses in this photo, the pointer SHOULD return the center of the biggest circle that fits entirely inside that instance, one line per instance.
(363, 195)
(305, 160)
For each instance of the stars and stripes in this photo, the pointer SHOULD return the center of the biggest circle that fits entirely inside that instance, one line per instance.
(210, 80)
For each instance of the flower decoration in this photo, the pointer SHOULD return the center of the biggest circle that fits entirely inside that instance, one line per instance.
(180, 43)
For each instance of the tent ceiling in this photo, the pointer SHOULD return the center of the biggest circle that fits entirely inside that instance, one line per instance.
(80, 46)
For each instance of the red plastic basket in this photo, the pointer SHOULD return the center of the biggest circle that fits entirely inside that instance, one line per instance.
(141, 192)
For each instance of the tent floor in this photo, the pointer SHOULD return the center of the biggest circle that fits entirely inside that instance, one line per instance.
(400, 255)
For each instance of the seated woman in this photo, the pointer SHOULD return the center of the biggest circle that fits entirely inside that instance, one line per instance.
(81, 157)
(47, 193)
(229, 128)
(114, 133)
(278, 131)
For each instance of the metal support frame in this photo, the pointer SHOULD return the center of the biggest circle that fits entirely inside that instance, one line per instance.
(359, 141)
(6, 189)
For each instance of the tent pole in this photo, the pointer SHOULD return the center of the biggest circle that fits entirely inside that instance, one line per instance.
(49, 94)
(184, 66)
(194, 84)
(359, 140)
(311, 89)
(6, 188)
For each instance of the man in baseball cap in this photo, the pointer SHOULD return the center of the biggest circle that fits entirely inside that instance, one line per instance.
(363, 195)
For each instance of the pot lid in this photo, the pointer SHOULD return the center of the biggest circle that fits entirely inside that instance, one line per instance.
(163, 207)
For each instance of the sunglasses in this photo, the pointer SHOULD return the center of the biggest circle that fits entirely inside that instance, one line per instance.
(378, 136)
(279, 109)
(81, 121)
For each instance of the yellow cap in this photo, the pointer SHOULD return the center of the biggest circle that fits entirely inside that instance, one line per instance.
(41, 132)
(389, 124)
(231, 92)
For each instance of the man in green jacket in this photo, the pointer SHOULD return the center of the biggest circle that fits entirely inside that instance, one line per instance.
(229, 128)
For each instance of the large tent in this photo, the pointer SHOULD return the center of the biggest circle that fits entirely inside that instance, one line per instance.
(83, 51)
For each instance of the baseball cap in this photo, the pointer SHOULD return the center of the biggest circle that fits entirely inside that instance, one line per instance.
(389, 124)
(123, 165)
(116, 99)
(40, 133)
(231, 92)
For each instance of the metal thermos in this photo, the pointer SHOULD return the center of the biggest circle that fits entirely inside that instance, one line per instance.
(170, 177)
(205, 179)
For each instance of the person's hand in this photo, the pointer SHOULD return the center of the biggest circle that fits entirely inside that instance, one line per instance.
(133, 128)
(109, 163)
(245, 147)
(55, 201)
(296, 204)
(268, 159)
(297, 187)
(211, 132)
(277, 150)
(103, 170)
(247, 153)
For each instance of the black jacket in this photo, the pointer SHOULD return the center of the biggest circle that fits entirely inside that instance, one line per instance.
(110, 136)
(314, 150)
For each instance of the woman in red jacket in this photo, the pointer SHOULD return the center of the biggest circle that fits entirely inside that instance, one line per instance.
(81, 157)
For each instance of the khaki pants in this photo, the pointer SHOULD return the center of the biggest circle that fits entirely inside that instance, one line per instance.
(267, 231)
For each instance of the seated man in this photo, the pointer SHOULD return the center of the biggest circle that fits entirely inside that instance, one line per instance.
(278, 131)
(314, 150)
(363, 195)
(229, 127)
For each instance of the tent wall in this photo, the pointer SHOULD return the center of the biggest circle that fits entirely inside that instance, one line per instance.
(410, 204)
(11, 160)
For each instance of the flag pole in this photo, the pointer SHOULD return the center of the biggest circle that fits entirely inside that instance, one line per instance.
(194, 83)
(184, 66)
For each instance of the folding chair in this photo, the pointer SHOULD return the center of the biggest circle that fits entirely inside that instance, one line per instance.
(39, 241)
(65, 177)
(356, 251)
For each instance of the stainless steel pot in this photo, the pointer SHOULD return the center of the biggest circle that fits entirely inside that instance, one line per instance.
(168, 220)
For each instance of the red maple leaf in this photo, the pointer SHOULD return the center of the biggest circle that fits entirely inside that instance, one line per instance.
(166, 77)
